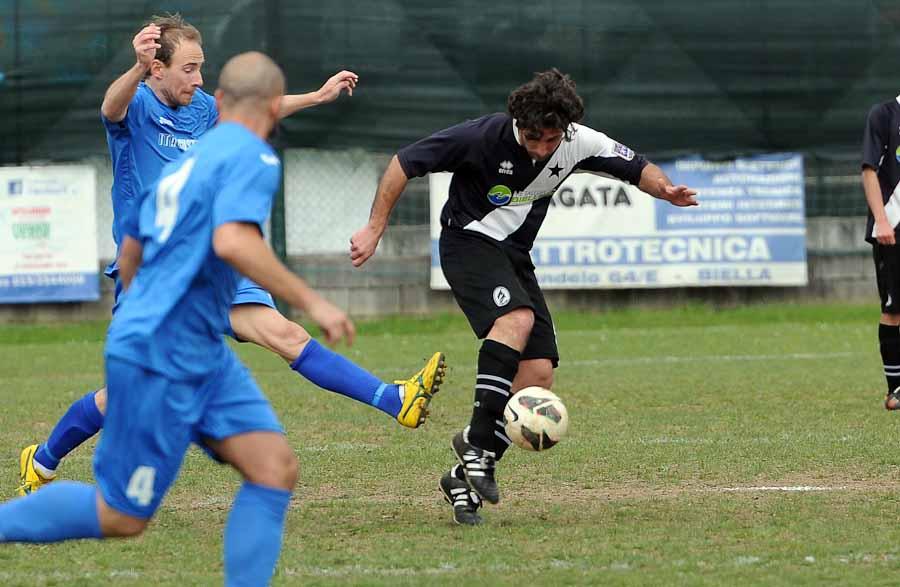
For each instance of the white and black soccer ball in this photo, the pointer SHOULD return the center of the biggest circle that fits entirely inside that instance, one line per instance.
(535, 418)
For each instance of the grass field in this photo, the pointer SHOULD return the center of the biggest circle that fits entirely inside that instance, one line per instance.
(688, 428)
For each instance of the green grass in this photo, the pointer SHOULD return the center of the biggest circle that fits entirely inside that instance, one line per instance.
(669, 409)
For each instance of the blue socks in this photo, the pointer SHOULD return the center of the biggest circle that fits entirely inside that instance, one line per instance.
(253, 534)
(79, 423)
(64, 510)
(333, 372)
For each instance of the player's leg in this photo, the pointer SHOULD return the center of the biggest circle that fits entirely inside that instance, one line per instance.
(255, 319)
(240, 427)
(83, 419)
(484, 282)
(150, 419)
(887, 273)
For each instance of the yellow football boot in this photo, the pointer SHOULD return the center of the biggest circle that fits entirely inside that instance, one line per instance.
(419, 389)
(30, 479)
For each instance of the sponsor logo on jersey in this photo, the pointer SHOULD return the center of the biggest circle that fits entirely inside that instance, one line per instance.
(16, 187)
(623, 152)
(897, 154)
(167, 140)
(506, 168)
(499, 195)
(501, 296)
(166, 121)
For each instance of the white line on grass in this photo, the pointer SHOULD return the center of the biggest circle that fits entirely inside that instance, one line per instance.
(714, 358)
(780, 488)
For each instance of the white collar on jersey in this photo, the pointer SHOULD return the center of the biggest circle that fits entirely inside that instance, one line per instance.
(518, 140)
(897, 98)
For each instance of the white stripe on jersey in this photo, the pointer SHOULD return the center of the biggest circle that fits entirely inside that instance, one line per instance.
(502, 222)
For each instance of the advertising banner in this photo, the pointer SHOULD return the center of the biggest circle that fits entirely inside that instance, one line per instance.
(48, 234)
(749, 229)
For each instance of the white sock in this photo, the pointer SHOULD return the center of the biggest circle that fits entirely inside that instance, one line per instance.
(42, 470)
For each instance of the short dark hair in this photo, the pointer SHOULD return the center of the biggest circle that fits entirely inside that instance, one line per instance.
(173, 30)
(549, 100)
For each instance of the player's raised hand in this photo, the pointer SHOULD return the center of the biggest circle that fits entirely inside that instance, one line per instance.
(677, 195)
(145, 44)
(339, 82)
(363, 244)
(335, 324)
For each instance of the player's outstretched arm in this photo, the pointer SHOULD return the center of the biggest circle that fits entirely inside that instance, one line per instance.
(119, 94)
(343, 81)
(365, 240)
(884, 231)
(241, 245)
(657, 184)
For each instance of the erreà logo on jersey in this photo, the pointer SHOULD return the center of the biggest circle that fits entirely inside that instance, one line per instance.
(505, 168)
(499, 195)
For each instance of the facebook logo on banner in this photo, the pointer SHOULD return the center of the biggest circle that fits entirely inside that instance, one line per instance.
(15, 187)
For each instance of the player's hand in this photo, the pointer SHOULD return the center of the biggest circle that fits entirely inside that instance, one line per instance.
(333, 321)
(145, 44)
(677, 195)
(339, 82)
(884, 232)
(363, 244)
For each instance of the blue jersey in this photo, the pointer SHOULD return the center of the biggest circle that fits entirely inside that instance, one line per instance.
(151, 135)
(172, 317)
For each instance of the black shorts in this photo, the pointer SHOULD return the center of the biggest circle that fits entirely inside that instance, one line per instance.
(489, 280)
(887, 273)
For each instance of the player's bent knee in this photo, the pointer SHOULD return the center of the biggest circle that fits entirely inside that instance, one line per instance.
(278, 468)
(100, 400)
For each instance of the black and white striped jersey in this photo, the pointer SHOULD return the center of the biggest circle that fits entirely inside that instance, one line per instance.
(497, 189)
(881, 152)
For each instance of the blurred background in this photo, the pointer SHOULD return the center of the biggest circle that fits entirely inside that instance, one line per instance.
(718, 79)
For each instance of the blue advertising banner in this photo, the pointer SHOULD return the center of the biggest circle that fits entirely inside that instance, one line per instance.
(749, 228)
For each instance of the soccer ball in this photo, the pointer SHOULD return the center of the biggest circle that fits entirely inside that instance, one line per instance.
(535, 418)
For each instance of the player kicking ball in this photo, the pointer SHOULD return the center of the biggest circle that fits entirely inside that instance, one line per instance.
(171, 377)
(506, 167)
(153, 113)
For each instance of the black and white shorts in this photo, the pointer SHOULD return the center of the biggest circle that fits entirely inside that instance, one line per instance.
(887, 273)
(489, 280)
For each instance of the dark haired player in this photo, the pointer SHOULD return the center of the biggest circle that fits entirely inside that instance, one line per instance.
(505, 168)
(881, 178)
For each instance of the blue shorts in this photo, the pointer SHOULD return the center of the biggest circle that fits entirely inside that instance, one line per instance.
(151, 421)
(249, 293)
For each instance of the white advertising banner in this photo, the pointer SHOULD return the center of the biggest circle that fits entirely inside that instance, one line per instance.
(749, 229)
(48, 234)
